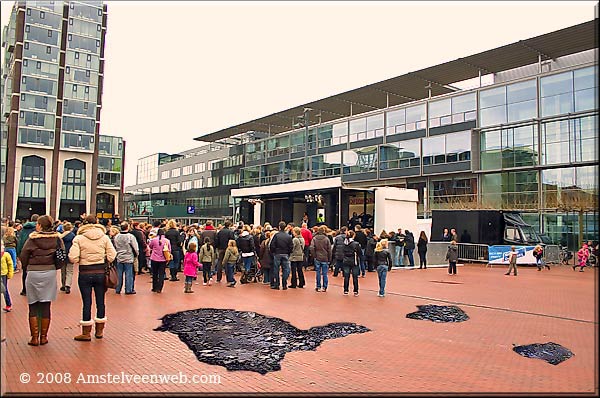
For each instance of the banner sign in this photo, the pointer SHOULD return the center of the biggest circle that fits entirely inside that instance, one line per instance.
(500, 254)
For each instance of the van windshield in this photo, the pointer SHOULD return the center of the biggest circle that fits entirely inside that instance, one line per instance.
(529, 234)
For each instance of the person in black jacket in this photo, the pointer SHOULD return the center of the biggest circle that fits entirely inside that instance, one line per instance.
(338, 250)
(383, 258)
(141, 241)
(281, 247)
(245, 245)
(370, 251)
(409, 246)
(351, 262)
(422, 249)
(361, 238)
(221, 241)
(174, 237)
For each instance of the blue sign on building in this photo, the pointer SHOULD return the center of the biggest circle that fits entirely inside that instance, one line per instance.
(191, 209)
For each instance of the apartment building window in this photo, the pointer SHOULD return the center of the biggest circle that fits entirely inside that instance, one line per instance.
(176, 172)
(187, 170)
(73, 187)
(212, 182)
(186, 185)
(33, 178)
(199, 183)
(164, 188)
(164, 175)
(199, 167)
(175, 187)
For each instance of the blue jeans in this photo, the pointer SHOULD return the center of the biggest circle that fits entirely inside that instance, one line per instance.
(6, 293)
(382, 271)
(321, 267)
(13, 255)
(266, 275)
(247, 262)
(126, 268)
(399, 257)
(411, 259)
(229, 272)
(281, 260)
(189, 279)
(87, 283)
(175, 263)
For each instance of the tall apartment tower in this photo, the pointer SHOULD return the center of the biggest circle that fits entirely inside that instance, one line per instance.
(52, 76)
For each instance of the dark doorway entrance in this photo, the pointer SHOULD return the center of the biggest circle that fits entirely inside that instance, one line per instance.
(27, 207)
(71, 210)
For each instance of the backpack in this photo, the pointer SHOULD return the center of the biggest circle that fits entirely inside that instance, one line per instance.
(349, 255)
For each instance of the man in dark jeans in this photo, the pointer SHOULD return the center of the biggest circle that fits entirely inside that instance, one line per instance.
(281, 247)
(351, 262)
(361, 238)
(221, 241)
(338, 250)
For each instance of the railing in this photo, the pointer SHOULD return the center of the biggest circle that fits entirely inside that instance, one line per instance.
(552, 254)
(473, 252)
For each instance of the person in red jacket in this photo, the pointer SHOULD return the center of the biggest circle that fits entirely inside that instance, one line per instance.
(307, 235)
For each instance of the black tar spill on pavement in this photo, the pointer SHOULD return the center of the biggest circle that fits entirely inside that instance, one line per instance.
(439, 313)
(550, 352)
(240, 340)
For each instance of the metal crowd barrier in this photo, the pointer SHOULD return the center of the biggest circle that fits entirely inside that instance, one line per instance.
(473, 252)
(552, 254)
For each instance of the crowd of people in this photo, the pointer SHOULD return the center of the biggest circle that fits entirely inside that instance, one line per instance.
(278, 255)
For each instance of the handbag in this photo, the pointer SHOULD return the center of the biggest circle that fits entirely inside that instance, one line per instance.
(110, 275)
(60, 255)
(167, 254)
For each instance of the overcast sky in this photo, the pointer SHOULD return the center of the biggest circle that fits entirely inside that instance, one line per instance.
(177, 70)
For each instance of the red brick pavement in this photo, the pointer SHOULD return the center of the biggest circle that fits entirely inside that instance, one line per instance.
(398, 355)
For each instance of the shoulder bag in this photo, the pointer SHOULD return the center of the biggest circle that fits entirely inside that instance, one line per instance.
(110, 275)
(167, 253)
(60, 255)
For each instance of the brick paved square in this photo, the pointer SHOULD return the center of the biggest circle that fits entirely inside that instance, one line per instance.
(399, 354)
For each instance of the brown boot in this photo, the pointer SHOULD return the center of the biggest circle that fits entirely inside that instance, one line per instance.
(86, 330)
(100, 323)
(35, 331)
(44, 331)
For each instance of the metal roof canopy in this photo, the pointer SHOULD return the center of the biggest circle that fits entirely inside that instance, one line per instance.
(412, 86)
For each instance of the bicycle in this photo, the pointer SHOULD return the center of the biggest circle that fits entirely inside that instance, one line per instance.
(564, 255)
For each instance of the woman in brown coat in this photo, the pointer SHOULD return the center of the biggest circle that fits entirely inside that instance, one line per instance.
(37, 257)
(265, 258)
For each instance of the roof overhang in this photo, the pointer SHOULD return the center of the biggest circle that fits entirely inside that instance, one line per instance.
(412, 86)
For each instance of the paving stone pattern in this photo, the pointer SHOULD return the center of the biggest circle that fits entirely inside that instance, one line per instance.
(439, 313)
(550, 352)
(244, 340)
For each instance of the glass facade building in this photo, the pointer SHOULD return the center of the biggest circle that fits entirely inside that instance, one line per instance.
(52, 76)
(526, 141)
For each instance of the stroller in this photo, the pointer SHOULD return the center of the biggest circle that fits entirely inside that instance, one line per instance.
(254, 275)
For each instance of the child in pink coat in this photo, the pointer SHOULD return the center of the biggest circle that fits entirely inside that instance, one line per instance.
(190, 266)
(582, 255)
